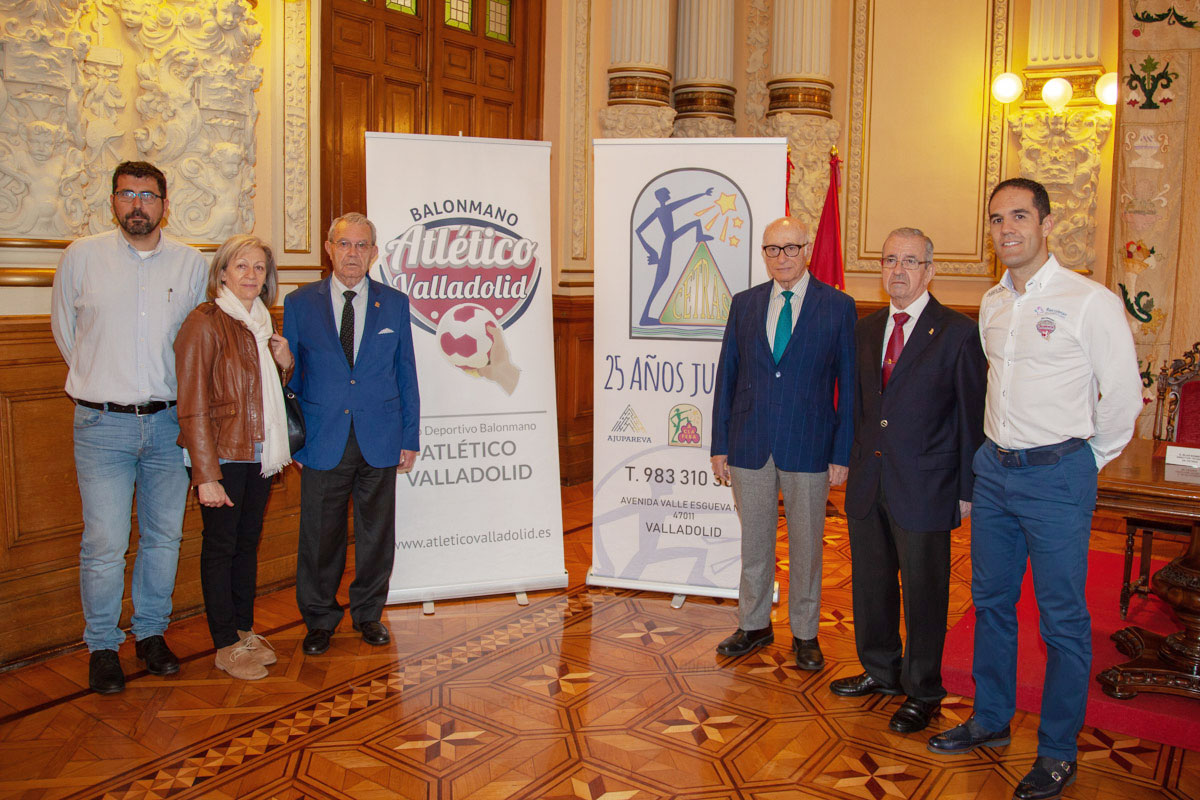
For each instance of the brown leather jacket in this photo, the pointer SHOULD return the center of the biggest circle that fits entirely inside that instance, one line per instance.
(220, 402)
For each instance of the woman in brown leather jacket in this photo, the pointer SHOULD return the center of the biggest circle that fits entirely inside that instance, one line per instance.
(233, 429)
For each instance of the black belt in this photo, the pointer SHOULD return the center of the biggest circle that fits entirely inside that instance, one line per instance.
(1034, 456)
(153, 407)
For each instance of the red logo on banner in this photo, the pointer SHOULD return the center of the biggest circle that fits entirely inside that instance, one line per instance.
(443, 264)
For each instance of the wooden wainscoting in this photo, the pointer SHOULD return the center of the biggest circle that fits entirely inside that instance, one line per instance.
(40, 517)
(573, 343)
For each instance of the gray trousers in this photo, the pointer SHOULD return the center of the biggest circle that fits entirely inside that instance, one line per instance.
(756, 495)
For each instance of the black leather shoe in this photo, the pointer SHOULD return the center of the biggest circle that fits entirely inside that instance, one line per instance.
(104, 672)
(913, 715)
(1046, 780)
(742, 642)
(859, 686)
(158, 657)
(316, 641)
(808, 653)
(373, 632)
(966, 737)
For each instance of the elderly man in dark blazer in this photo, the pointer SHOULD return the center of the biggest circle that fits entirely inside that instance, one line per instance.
(918, 417)
(781, 421)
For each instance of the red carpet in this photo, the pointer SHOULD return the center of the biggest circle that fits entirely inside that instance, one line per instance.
(1158, 717)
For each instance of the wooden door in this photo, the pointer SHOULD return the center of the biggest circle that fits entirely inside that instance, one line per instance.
(422, 66)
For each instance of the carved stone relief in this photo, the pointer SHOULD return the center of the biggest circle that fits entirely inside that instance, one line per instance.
(810, 139)
(296, 191)
(1062, 151)
(698, 127)
(758, 40)
(636, 122)
(84, 86)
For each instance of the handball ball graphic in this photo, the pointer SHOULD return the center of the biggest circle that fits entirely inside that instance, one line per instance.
(463, 337)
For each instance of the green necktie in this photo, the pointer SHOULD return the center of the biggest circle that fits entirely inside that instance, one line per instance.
(783, 328)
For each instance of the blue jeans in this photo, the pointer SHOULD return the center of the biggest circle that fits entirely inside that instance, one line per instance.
(1043, 514)
(113, 454)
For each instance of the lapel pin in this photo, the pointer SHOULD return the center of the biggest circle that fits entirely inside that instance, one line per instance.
(930, 330)
(377, 306)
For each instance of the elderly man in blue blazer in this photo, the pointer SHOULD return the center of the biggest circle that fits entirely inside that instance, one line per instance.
(782, 421)
(357, 382)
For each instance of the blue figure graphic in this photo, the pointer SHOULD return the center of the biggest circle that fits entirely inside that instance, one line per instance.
(665, 216)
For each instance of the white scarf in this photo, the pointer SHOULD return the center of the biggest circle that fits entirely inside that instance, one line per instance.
(275, 453)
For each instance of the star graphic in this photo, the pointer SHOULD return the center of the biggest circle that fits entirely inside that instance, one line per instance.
(727, 202)
(737, 222)
(734, 241)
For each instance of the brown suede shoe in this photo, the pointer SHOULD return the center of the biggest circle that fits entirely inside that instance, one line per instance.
(262, 650)
(238, 661)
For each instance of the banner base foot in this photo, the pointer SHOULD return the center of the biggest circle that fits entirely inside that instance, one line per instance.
(522, 599)
(427, 608)
(678, 600)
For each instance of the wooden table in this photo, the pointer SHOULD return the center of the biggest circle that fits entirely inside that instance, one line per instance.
(1135, 485)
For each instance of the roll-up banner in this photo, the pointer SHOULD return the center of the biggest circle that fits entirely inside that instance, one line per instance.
(678, 230)
(464, 231)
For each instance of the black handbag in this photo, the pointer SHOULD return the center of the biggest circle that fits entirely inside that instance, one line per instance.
(295, 420)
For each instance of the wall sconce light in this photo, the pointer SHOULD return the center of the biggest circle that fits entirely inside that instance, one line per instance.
(1107, 89)
(1057, 93)
(1007, 87)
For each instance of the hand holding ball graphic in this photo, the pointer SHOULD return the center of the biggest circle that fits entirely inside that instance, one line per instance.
(470, 339)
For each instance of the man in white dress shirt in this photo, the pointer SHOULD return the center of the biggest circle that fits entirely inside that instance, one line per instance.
(118, 301)
(1063, 393)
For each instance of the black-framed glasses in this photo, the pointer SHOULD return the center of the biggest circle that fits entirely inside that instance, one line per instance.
(908, 262)
(146, 196)
(789, 250)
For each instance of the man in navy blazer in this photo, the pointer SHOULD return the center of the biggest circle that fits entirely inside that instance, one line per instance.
(357, 382)
(781, 421)
(915, 433)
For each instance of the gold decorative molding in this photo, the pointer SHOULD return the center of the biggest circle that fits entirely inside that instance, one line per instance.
(808, 97)
(296, 145)
(694, 100)
(21, 276)
(1082, 80)
(580, 196)
(637, 89)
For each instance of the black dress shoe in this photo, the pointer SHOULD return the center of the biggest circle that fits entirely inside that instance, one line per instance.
(1046, 780)
(808, 653)
(913, 715)
(860, 685)
(373, 632)
(742, 642)
(158, 657)
(316, 641)
(104, 672)
(966, 737)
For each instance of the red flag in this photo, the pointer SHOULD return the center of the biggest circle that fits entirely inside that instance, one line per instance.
(787, 200)
(826, 261)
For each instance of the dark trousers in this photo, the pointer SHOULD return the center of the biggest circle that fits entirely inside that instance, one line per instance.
(880, 551)
(324, 495)
(1040, 514)
(229, 552)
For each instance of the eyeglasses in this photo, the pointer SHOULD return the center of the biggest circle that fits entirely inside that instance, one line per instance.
(346, 244)
(908, 262)
(147, 196)
(790, 250)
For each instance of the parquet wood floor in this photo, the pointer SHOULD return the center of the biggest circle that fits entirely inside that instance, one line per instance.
(584, 694)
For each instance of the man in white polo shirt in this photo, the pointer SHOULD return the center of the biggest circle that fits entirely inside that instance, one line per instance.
(119, 298)
(1063, 393)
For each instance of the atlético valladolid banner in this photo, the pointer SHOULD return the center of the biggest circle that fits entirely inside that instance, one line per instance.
(678, 229)
(464, 231)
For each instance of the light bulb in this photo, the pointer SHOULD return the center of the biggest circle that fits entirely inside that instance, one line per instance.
(1057, 93)
(1107, 89)
(1007, 87)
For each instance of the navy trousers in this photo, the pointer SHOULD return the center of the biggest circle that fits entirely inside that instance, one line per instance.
(1026, 510)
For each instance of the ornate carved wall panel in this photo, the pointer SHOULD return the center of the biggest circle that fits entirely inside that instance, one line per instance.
(938, 145)
(296, 142)
(40, 517)
(84, 86)
(573, 342)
